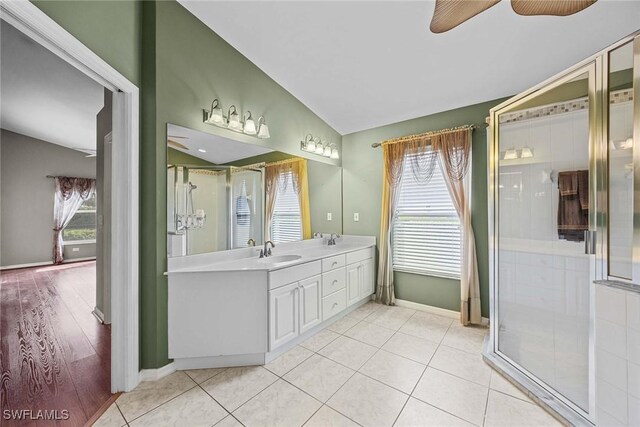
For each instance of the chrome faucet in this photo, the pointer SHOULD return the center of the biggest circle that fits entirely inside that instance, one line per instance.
(251, 242)
(267, 251)
(317, 235)
(332, 239)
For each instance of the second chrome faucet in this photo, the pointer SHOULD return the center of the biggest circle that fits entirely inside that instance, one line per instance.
(266, 251)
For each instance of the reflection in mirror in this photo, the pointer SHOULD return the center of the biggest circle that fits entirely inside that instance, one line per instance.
(621, 161)
(224, 194)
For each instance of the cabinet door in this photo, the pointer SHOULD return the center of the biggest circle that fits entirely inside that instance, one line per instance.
(283, 315)
(310, 303)
(367, 284)
(353, 283)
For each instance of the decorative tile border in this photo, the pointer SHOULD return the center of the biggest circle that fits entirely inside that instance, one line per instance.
(616, 97)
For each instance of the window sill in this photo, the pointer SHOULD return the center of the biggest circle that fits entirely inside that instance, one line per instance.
(79, 242)
(425, 273)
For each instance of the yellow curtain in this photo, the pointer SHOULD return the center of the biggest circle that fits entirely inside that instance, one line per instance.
(303, 192)
(393, 156)
(298, 169)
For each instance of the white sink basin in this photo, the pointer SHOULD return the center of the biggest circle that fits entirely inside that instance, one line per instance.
(280, 259)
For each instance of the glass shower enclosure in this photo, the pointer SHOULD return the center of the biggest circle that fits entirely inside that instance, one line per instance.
(213, 208)
(561, 183)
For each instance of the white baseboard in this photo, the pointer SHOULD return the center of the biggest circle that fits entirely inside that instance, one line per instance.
(98, 314)
(156, 374)
(434, 310)
(45, 263)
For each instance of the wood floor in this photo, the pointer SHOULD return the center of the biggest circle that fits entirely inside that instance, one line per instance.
(54, 355)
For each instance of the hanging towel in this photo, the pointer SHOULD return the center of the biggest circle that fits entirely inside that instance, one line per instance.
(573, 205)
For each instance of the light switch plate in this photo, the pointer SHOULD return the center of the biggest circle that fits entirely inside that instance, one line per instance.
(75, 249)
(356, 216)
(328, 216)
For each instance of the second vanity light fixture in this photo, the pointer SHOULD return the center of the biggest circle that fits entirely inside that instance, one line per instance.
(232, 121)
(312, 144)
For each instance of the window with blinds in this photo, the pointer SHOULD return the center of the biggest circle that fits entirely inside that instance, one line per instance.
(426, 236)
(286, 223)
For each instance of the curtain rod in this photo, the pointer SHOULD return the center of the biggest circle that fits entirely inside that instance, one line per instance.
(63, 176)
(428, 133)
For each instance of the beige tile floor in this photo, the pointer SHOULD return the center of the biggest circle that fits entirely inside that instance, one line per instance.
(378, 366)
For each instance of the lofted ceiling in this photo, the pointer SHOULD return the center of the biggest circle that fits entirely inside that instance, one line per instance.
(363, 64)
(43, 96)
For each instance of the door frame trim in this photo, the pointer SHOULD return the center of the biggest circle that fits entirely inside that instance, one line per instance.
(34, 23)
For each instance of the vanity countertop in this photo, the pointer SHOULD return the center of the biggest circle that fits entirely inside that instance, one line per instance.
(248, 259)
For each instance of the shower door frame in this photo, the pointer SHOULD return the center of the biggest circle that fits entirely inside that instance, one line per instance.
(590, 68)
(597, 66)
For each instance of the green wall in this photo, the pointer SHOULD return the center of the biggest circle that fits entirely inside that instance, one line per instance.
(180, 65)
(362, 187)
(185, 66)
(111, 29)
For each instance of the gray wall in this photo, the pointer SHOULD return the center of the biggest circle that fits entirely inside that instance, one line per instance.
(362, 169)
(26, 213)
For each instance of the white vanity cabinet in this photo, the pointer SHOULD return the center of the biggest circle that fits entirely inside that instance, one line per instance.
(227, 311)
(295, 302)
(360, 275)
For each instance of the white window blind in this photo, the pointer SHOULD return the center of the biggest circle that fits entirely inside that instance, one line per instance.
(426, 229)
(286, 224)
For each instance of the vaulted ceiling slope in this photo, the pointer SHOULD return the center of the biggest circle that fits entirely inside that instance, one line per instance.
(362, 64)
(43, 96)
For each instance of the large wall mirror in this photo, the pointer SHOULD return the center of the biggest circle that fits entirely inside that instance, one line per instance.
(224, 194)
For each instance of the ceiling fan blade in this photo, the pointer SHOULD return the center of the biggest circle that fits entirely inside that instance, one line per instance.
(549, 7)
(449, 14)
(177, 145)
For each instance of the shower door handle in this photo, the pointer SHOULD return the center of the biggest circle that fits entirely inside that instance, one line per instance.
(590, 242)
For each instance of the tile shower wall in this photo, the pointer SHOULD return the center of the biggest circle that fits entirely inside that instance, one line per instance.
(544, 281)
(617, 339)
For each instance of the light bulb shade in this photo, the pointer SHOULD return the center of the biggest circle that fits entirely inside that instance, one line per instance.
(311, 146)
(511, 154)
(234, 122)
(319, 148)
(334, 153)
(526, 153)
(249, 125)
(626, 144)
(263, 129)
(216, 116)
(327, 151)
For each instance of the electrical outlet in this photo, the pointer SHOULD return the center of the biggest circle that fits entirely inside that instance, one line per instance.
(328, 216)
(356, 216)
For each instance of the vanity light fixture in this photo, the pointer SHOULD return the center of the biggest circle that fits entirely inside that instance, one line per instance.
(526, 153)
(315, 145)
(263, 129)
(334, 152)
(247, 125)
(234, 119)
(511, 154)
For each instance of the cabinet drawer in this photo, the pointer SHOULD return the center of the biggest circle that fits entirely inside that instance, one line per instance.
(333, 262)
(334, 304)
(361, 255)
(296, 273)
(333, 281)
